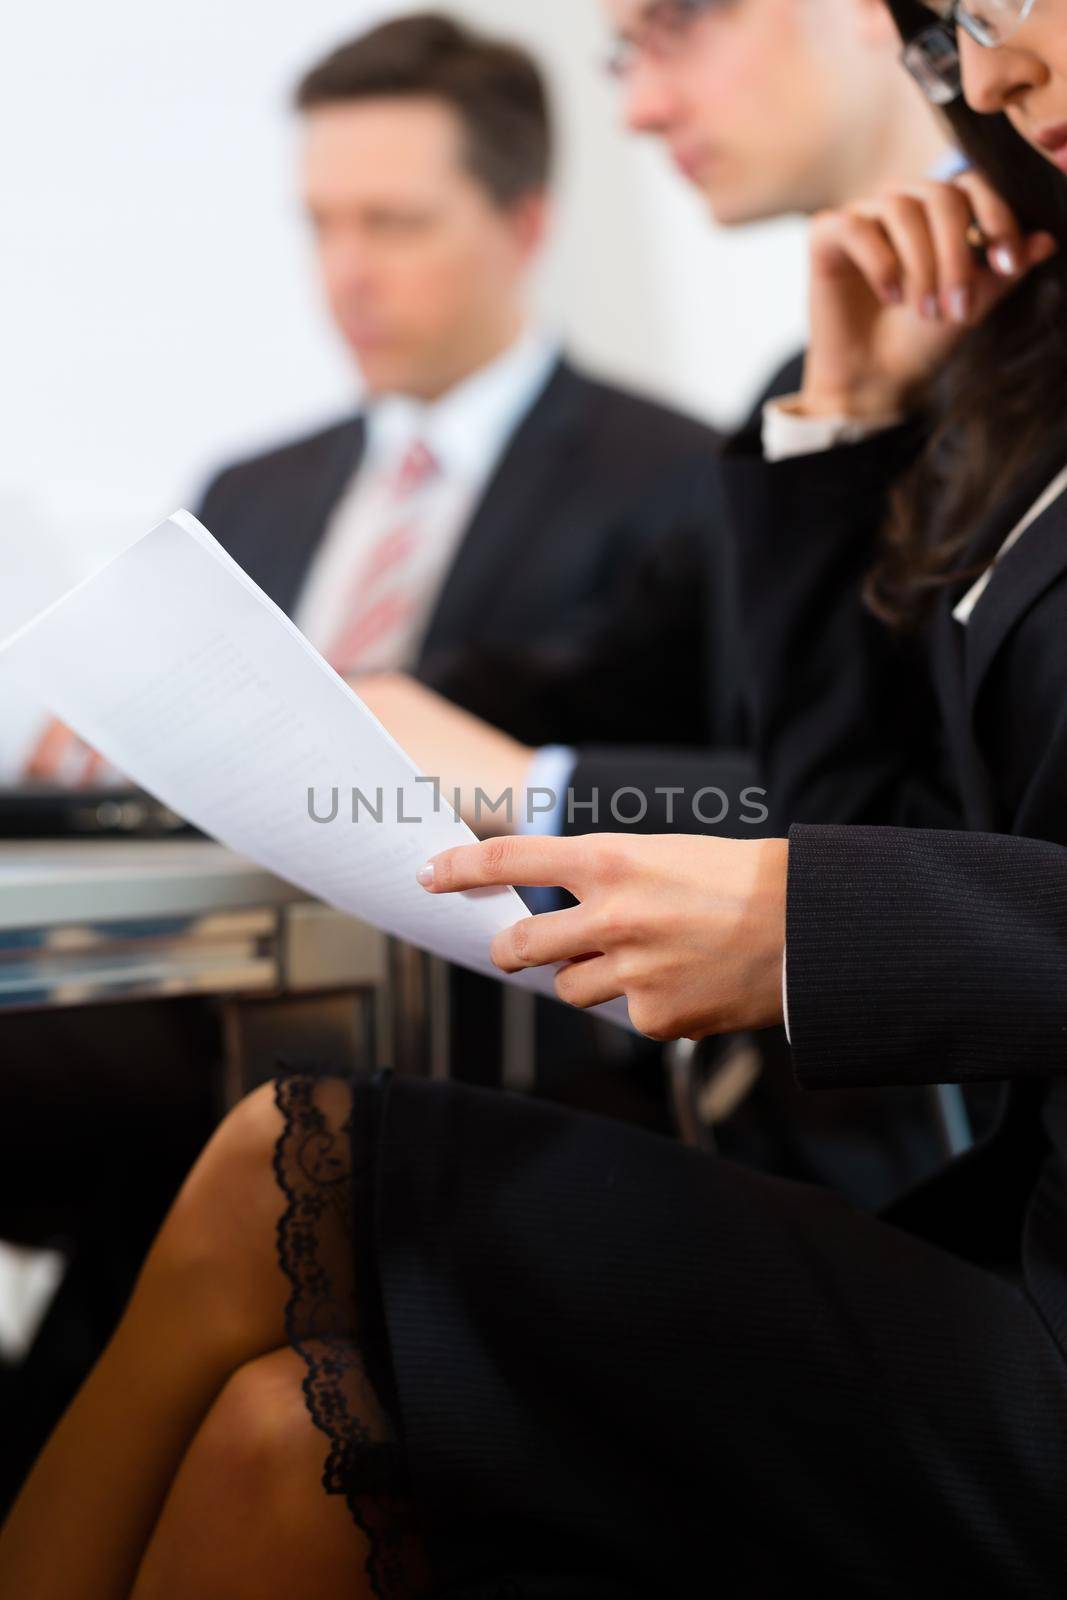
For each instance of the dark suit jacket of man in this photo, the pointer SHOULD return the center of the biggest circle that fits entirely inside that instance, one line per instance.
(923, 954)
(593, 481)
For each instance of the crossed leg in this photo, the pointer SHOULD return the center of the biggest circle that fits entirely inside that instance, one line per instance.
(151, 1482)
(246, 1516)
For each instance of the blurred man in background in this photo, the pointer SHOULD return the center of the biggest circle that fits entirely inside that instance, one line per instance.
(487, 492)
(488, 496)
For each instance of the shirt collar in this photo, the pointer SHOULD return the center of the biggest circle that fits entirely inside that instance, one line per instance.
(467, 428)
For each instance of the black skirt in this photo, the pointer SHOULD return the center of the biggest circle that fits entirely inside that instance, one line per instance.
(579, 1360)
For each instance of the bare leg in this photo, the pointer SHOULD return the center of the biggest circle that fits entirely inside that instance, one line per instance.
(247, 1517)
(210, 1299)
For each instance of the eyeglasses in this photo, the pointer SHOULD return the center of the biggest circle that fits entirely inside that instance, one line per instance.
(933, 57)
(661, 33)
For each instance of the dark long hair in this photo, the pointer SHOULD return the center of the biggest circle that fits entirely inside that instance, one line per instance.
(995, 403)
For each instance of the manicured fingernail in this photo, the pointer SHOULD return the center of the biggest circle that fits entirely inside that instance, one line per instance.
(930, 307)
(425, 875)
(1004, 260)
(959, 304)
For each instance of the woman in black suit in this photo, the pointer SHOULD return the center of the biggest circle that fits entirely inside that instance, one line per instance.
(561, 1357)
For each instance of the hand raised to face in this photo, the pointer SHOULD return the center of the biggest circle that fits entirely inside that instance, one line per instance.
(897, 281)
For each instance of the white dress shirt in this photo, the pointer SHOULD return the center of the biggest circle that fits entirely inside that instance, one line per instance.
(962, 611)
(467, 432)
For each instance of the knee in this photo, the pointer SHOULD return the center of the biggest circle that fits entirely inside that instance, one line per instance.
(248, 1136)
(258, 1441)
(247, 1133)
(216, 1262)
(217, 1244)
(248, 1514)
(239, 1151)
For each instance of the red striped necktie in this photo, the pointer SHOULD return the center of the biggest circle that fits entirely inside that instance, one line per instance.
(384, 599)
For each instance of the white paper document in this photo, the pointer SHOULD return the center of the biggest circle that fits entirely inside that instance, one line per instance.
(174, 665)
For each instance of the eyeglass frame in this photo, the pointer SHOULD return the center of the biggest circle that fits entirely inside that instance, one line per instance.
(941, 81)
(683, 14)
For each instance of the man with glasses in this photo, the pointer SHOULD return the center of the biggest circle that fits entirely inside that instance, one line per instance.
(772, 107)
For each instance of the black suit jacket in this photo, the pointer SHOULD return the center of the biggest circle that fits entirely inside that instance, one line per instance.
(688, 785)
(594, 484)
(922, 954)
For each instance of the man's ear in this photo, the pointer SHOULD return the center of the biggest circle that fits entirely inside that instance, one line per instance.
(530, 219)
(875, 25)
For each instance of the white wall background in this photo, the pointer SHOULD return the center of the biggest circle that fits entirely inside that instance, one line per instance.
(157, 312)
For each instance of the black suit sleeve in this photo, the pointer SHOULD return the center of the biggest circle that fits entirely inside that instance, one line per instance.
(839, 714)
(925, 956)
(845, 720)
(675, 757)
(663, 790)
(781, 651)
(714, 786)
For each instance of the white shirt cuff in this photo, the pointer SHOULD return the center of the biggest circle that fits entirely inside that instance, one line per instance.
(788, 432)
(785, 1002)
(544, 795)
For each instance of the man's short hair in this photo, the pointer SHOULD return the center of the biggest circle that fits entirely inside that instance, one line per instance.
(496, 89)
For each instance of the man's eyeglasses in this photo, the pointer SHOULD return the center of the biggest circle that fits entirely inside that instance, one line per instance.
(660, 32)
(933, 58)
